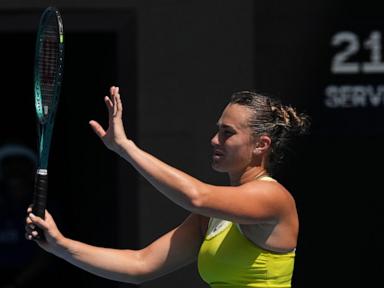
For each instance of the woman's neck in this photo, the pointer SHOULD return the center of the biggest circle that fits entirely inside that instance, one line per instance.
(247, 176)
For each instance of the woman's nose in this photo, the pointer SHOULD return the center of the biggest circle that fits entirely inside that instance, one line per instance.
(215, 140)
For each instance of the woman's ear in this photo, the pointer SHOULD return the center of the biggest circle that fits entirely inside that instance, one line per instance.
(262, 145)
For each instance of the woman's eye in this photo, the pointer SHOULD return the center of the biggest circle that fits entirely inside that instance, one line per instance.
(228, 133)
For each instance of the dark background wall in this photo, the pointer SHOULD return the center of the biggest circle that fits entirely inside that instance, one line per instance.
(177, 62)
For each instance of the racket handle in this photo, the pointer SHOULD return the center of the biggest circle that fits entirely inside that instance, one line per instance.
(40, 196)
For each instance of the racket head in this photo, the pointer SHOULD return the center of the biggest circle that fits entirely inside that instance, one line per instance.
(48, 64)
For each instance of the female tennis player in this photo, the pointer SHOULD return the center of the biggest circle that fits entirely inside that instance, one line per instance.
(243, 234)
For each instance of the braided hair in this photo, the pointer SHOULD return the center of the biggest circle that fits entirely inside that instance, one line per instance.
(270, 117)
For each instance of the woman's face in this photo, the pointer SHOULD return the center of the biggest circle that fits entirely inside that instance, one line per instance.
(233, 144)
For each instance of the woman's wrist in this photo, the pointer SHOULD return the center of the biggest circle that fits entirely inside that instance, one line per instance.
(124, 147)
(61, 247)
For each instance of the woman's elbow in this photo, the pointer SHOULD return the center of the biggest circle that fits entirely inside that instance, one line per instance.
(198, 200)
(144, 271)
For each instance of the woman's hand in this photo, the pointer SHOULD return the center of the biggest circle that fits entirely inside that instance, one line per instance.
(114, 136)
(52, 235)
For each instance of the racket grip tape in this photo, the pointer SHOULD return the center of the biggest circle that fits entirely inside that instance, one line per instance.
(40, 196)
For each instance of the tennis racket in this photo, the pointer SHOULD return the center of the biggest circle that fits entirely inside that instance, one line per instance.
(48, 73)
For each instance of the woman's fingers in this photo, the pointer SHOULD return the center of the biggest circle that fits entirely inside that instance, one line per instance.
(113, 90)
(116, 101)
(113, 96)
(28, 236)
(47, 214)
(31, 222)
(113, 102)
(30, 228)
(32, 235)
(28, 221)
(114, 105)
(109, 104)
(110, 136)
(99, 130)
(119, 105)
(38, 221)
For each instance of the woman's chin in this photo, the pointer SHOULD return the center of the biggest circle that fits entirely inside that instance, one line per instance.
(217, 167)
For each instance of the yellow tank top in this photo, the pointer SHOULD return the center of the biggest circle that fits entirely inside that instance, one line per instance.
(228, 259)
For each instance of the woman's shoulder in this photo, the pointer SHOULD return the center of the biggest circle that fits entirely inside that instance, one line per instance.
(271, 188)
(265, 183)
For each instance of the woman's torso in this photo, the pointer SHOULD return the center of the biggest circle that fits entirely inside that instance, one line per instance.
(261, 254)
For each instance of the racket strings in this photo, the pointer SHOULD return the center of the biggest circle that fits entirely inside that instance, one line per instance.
(48, 63)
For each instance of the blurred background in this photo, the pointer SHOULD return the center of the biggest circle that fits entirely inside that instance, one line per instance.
(177, 63)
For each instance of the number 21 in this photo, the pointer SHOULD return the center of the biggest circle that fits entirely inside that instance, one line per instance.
(340, 64)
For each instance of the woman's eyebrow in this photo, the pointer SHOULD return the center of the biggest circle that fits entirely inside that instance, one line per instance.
(222, 125)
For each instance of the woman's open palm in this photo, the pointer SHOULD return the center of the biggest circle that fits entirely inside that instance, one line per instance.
(115, 134)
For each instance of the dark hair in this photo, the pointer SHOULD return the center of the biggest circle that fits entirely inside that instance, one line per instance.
(270, 117)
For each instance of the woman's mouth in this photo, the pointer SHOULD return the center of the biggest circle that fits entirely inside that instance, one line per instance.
(217, 154)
